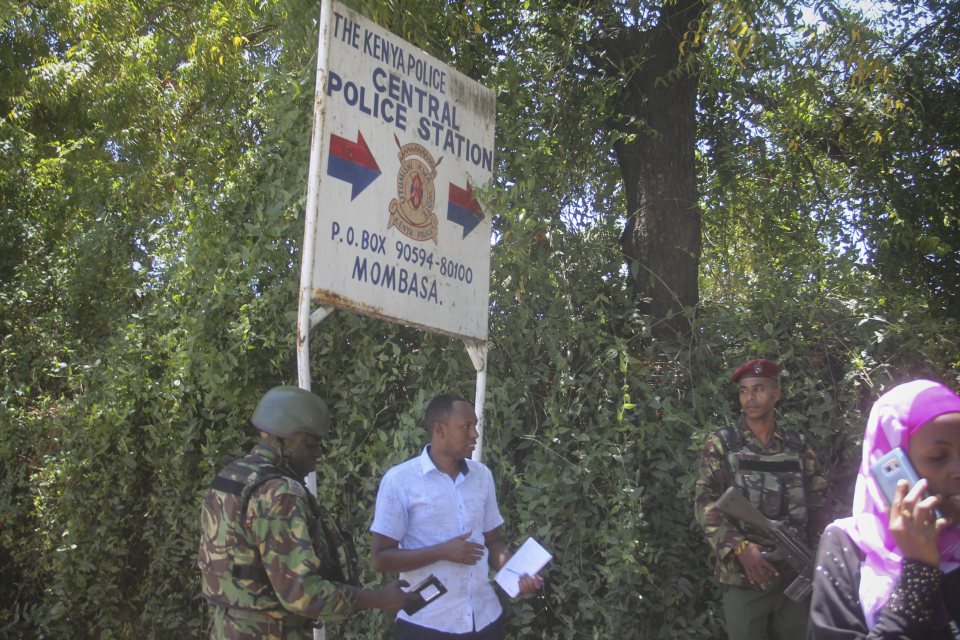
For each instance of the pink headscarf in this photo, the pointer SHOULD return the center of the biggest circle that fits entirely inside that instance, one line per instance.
(895, 417)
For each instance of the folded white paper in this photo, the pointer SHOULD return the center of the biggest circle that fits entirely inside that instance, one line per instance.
(528, 559)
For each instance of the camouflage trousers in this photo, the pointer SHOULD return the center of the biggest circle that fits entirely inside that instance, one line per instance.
(241, 624)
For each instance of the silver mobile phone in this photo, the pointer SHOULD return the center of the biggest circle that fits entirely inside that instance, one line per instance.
(889, 469)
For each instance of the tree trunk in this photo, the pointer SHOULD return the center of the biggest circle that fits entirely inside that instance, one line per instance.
(657, 107)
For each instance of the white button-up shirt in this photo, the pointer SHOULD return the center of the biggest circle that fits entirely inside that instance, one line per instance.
(420, 506)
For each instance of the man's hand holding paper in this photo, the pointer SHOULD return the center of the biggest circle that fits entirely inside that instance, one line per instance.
(530, 584)
(519, 574)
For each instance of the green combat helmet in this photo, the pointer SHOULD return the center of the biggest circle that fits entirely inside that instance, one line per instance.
(286, 410)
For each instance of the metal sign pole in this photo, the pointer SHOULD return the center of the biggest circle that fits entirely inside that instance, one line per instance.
(304, 318)
(478, 355)
(308, 249)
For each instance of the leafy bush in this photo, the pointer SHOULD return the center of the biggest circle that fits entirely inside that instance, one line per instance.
(148, 286)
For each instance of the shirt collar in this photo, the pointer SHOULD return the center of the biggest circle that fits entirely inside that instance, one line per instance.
(753, 439)
(268, 453)
(426, 463)
(272, 456)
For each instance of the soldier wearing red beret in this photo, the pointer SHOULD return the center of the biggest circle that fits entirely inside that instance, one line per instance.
(777, 471)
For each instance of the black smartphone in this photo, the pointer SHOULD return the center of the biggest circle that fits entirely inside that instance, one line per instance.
(889, 469)
(429, 589)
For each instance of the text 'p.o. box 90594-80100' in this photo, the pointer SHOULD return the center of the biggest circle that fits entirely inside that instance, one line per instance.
(406, 141)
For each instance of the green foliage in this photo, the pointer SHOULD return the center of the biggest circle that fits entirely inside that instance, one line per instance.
(152, 168)
(842, 132)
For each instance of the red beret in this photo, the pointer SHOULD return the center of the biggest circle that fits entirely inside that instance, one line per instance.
(757, 368)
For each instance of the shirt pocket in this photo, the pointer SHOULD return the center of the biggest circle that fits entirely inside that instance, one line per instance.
(474, 514)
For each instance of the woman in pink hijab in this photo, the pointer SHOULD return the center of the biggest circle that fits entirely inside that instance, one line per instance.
(893, 573)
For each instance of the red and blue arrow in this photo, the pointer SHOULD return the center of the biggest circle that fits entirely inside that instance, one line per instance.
(352, 162)
(463, 209)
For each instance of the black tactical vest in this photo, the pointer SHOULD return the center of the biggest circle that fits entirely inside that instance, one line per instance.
(773, 483)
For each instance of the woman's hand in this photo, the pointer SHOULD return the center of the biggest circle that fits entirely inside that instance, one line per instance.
(914, 524)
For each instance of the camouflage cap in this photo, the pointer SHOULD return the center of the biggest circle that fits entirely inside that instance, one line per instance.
(286, 410)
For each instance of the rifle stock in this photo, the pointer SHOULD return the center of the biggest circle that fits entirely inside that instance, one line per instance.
(736, 506)
(788, 548)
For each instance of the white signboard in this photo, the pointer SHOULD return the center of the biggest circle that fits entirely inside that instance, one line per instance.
(406, 139)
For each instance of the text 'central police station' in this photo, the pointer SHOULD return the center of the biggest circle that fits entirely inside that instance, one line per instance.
(392, 96)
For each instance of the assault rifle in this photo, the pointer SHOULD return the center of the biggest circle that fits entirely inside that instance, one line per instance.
(788, 548)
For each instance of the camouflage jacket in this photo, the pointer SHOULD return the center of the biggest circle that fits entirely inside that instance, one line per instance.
(797, 499)
(265, 548)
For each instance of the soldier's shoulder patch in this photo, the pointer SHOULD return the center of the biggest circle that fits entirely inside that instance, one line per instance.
(296, 488)
(276, 496)
(290, 486)
(279, 486)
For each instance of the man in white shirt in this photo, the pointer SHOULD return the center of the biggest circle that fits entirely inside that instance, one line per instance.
(437, 514)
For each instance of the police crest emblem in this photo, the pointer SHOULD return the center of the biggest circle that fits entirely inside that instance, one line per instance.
(411, 212)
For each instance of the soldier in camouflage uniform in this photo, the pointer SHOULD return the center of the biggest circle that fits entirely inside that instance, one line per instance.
(273, 564)
(777, 471)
